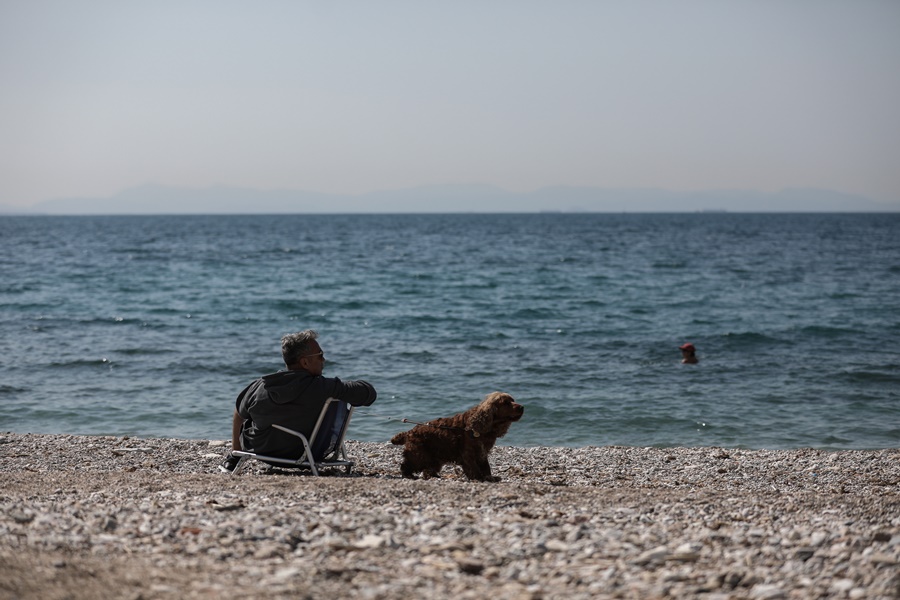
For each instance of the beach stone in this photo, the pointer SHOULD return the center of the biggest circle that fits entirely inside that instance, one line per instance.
(842, 586)
(881, 558)
(372, 541)
(767, 592)
(687, 552)
(269, 550)
(652, 557)
(629, 523)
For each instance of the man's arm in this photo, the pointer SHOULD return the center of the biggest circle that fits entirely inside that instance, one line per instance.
(236, 424)
(355, 393)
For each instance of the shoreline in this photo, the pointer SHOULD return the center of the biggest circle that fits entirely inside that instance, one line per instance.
(147, 518)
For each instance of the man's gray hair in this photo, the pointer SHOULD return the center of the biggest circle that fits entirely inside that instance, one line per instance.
(295, 345)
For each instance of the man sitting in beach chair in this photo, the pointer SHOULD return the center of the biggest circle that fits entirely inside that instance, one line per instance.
(271, 412)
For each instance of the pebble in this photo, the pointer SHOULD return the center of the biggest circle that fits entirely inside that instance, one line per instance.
(90, 517)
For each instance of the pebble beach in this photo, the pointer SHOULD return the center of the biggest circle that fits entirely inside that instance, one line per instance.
(141, 519)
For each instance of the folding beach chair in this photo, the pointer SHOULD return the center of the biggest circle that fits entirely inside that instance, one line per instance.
(324, 447)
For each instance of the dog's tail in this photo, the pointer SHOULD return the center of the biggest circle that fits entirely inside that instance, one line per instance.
(400, 438)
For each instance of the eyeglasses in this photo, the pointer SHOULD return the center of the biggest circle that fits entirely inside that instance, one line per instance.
(320, 354)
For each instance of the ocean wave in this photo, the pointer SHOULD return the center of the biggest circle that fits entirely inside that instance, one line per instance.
(11, 389)
(890, 375)
(827, 332)
(750, 339)
(145, 351)
(79, 363)
(670, 264)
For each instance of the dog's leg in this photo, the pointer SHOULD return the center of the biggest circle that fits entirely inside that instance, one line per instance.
(478, 469)
(475, 465)
(414, 462)
(409, 467)
(407, 471)
(485, 467)
(488, 476)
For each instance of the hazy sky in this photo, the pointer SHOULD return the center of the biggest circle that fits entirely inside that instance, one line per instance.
(349, 97)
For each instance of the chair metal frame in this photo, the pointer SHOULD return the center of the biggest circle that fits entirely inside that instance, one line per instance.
(335, 458)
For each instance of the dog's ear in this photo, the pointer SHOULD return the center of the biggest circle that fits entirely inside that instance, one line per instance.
(481, 419)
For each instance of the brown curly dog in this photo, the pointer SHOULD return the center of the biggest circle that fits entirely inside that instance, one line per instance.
(465, 439)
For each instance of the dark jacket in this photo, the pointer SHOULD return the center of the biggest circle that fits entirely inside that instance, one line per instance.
(292, 399)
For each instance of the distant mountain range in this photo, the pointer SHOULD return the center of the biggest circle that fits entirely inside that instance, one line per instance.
(158, 199)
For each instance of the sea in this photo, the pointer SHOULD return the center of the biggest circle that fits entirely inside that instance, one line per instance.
(149, 326)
